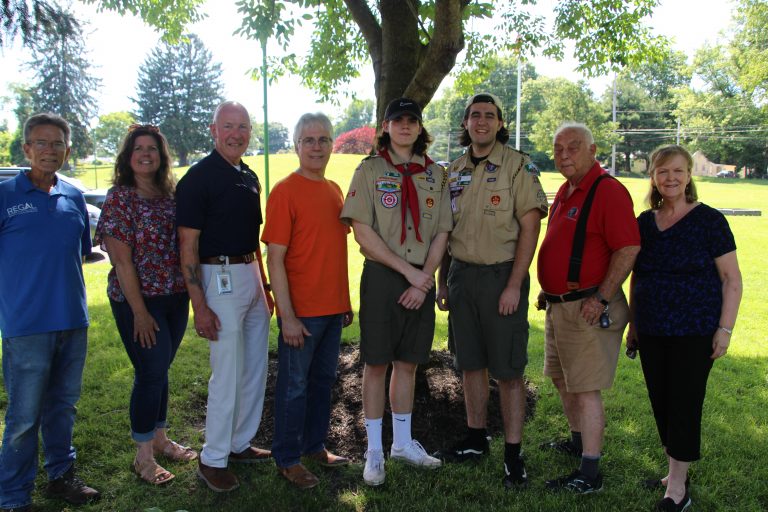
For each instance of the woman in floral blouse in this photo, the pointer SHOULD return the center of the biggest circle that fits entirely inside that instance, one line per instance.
(146, 288)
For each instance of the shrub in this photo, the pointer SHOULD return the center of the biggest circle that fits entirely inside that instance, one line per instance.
(355, 142)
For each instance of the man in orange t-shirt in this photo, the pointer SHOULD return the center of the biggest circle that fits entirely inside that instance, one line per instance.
(307, 261)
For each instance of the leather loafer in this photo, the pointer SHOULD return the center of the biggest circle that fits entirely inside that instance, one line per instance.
(328, 459)
(299, 476)
(250, 455)
(217, 479)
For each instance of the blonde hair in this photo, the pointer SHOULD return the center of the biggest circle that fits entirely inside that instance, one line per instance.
(660, 156)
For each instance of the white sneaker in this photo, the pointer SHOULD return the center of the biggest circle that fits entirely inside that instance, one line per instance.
(415, 455)
(374, 473)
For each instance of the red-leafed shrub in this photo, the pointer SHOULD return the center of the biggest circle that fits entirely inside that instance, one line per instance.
(355, 142)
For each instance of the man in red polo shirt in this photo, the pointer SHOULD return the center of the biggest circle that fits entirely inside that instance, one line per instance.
(582, 348)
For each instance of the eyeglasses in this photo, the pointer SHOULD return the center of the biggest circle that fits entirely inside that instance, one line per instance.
(250, 181)
(148, 127)
(324, 142)
(42, 145)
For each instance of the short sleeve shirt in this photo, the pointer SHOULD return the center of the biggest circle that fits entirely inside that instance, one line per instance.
(677, 289)
(148, 227)
(303, 215)
(375, 199)
(223, 202)
(487, 201)
(610, 227)
(43, 237)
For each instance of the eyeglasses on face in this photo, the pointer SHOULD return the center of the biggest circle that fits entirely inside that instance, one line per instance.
(44, 144)
(324, 142)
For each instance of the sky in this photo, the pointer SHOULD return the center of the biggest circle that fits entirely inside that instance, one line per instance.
(118, 46)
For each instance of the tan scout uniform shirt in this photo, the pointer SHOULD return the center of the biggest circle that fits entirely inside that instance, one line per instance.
(375, 199)
(487, 201)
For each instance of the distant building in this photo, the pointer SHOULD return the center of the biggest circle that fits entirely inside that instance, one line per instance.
(703, 167)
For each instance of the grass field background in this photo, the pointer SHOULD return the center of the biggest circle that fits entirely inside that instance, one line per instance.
(733, 475)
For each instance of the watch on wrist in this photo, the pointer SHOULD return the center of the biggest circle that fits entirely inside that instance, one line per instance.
(729, 331)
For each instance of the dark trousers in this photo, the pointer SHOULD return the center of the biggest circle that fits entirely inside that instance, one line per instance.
(676, 369)
(149, 398)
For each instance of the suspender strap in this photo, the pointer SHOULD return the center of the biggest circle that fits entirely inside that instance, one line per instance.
(580, 236)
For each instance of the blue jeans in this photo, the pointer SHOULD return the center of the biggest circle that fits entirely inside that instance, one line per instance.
(305, 378)
(149, 397)
(42, 375)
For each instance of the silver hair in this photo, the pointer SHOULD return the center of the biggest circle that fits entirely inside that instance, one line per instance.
(228, 104)
(307, 119)
(571, 125)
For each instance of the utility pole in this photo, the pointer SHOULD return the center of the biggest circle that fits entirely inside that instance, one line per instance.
(266, 116)
(517, 113)
(613, 149)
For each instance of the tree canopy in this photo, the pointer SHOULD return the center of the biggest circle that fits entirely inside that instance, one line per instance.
(178, 90)
(110, 132)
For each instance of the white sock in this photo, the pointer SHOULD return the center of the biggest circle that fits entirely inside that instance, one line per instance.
(373, 430)
(401, 430)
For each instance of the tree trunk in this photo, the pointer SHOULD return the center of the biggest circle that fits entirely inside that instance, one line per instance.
(183, 158)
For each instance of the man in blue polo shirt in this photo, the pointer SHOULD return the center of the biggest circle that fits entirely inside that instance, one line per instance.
(44, 235)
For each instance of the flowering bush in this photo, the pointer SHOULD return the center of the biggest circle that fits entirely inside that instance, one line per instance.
(355, 142)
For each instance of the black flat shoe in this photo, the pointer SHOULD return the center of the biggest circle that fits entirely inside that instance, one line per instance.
(653, 484)
(669, 505)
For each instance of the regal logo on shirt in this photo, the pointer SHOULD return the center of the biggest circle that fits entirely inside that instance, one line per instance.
(21, 208)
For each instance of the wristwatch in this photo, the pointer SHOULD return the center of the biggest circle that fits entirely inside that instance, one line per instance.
(601, 299)
(729, 331)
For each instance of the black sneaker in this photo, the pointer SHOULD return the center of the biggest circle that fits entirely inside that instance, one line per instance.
(565, 446)
(669, 505)
(515, 475)
(577, 482)
(653, 484)
(70, 488)
(464, 450)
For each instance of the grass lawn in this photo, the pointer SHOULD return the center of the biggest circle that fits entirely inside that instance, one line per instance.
(733, 475)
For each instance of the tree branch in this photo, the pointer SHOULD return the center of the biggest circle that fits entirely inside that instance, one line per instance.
(440, 56)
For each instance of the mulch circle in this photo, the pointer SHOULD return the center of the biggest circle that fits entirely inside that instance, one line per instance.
(439, 418)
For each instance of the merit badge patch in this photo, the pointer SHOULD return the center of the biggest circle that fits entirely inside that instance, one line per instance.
(389, 200)
(387, 185)
(572, 212)
(430, 202)
(495, 200)
(489, 167)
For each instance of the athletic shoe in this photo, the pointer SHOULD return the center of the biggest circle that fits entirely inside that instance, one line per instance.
(415, 455)
(577, 482)
(565, 446)
(515, 474)
(669, 505)
(464, 450)
(374, 473)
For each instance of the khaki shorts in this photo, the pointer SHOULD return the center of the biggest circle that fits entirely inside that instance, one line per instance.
(584, 356)
(388, 331)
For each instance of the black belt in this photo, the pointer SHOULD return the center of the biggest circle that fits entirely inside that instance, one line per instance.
(228, 260)
(570, 296)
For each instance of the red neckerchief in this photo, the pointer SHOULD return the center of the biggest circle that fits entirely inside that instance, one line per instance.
(410, 196)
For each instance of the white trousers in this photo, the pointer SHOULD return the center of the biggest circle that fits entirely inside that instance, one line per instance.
(238, 362)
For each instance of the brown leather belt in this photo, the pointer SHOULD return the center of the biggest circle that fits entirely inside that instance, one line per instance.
(228, 260)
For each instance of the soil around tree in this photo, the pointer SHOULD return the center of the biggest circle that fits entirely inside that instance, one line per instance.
(439, 418)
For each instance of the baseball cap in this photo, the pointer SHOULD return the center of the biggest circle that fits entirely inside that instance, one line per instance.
(400, 106)
(485, 97)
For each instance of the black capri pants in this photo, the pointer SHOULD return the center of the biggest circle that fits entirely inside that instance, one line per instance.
(676, 369)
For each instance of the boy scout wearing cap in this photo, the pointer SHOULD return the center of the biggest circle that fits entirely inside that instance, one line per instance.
(497, 207)
(398, 206)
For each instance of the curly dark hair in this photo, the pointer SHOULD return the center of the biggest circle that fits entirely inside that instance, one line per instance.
(420, 145)
(124, 176)
(502, 135)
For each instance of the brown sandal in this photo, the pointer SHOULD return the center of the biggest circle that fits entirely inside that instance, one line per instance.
(176, 452)
(152, 473)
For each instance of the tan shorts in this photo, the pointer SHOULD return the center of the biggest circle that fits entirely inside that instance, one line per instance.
(584, 356)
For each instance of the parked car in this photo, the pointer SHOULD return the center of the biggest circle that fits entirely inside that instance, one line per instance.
(94, 212)
(726, 174)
